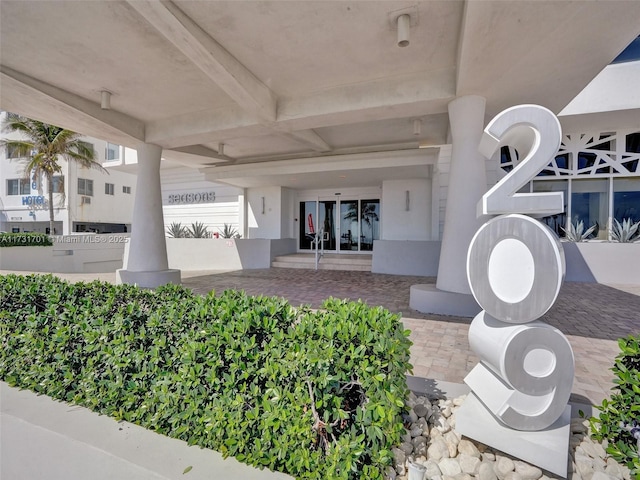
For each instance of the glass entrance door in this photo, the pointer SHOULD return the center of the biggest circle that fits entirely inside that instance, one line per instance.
(316, 217)
(357, 226)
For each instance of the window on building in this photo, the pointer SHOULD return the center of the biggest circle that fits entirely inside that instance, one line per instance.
(85, 187)
(87, 145)
(12, 151)
(18, 186)
(126, 189)
(626, 199)
(112, 151)
(557, 221)
(108, 188)
(58, 184)
(590, 205)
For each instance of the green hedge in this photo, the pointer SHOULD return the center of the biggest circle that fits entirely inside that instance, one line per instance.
(312, 394)
(624, 407)
(24, 240)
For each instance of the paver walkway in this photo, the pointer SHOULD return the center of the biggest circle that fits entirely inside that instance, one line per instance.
(592, 316)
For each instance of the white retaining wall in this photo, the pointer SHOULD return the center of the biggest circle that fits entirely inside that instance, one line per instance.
(225, 254)
(69, 254)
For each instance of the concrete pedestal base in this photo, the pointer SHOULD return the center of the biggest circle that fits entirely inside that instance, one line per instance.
(428, 299)
(148, 279)
(547, 449)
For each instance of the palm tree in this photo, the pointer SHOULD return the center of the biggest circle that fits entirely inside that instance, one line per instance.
(42, 146)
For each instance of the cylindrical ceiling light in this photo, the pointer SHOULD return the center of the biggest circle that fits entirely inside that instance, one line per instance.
(417, 127)
(221, 148)
(403, 29)
(105, 100)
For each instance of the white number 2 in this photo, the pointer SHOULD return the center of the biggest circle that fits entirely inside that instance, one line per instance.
(535, 132)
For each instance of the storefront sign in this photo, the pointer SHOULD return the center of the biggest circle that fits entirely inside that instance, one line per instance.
(199, 197)
(34, 200)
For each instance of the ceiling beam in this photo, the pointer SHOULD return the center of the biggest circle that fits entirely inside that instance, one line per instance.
(34, 98)
(209, 56)
(308, 138)
(397, 97)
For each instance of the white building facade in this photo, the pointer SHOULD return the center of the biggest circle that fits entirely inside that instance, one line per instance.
(85, 200)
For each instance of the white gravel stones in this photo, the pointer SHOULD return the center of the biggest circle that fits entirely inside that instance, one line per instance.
(449, 466)
(431, 440)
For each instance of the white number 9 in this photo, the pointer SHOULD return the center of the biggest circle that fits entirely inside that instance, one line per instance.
(535, 361)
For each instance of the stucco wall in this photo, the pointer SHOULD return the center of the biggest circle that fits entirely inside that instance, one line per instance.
(264, 223)
(225, 254)
(69, 254)
(602, 262)
(406, 257)
(398, 223)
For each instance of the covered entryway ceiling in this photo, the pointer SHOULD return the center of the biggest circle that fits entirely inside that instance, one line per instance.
(278, 80)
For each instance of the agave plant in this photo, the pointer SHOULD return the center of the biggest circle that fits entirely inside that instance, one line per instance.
(198, 230)
(576, 233)
(627, 232)
(176, 230)
(229, 232)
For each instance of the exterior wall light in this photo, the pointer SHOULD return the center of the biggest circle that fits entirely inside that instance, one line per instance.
(407, 201)
(263, 205)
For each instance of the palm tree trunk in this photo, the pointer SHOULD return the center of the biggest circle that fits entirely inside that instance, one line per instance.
(50, 186)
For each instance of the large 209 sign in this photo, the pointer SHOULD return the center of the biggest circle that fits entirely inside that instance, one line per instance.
(515, 268)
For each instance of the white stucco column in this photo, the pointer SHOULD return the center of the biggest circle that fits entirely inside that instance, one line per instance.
(146, 264)
(467, 184)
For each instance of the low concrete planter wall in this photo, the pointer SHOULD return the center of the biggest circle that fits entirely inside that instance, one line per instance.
(225, 254)
(602, 262)
(69, 254)
(405, 257)
(594, 262)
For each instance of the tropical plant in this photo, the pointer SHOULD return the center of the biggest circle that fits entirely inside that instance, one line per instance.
(41, 148)
(176, 230)
(627, 232)
(576, 233)
(619, 416)
(314, 394)
(198, 230)
(229, 232)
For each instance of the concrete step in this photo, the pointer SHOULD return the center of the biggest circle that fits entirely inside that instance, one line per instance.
(359, 262)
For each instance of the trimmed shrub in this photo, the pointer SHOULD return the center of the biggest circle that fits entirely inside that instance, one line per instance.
(622, 413)
(313, 394)
(25, 240)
